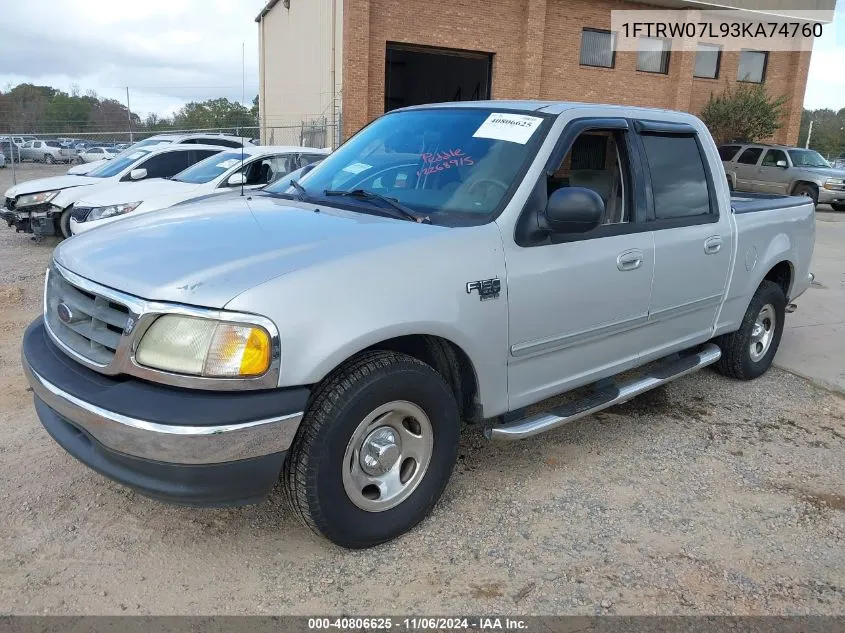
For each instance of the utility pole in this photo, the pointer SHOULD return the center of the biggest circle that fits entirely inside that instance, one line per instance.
(809, 134)
(334, 78)
(129, 114)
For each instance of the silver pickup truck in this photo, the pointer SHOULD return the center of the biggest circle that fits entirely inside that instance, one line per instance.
(449, 263)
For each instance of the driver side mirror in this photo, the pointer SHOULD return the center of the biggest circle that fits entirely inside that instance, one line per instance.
(138, 174)
(236, 180)
(573, 210)
(781, 163)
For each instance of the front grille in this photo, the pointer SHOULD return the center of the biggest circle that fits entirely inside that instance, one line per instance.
(10, 204)
(80, 214)
(92, 324)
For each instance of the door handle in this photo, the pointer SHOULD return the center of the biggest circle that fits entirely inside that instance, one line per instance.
(713, 245)
(630, 260)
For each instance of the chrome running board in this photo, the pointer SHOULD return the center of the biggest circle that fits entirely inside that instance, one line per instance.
(607, 397)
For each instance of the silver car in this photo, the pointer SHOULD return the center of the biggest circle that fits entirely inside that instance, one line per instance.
(786, 170)
(46, 152)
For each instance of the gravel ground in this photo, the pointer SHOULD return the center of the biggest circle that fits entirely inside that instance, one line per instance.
(708, 496)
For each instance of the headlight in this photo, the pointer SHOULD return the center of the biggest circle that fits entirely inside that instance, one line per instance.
(31, 199)
(834, 183)
(100, 213)
(205, 347)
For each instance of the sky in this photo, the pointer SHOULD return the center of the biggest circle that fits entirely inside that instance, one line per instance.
(170, 52)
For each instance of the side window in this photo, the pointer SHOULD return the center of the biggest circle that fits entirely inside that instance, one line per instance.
(260, 172)
(727, 152)
(750, 156)
(165, 165)
(772, 157)
(221, 142)
(678, 178)
(307, 159)
(196, 156)
(598, 160)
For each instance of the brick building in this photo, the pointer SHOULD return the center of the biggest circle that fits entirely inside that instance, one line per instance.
(392, 53)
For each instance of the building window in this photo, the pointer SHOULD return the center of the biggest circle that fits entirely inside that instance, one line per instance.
(707, 60)
(597, 48)
(653, 56)
(752, 66)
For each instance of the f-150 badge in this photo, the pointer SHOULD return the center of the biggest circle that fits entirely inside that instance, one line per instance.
(487, 288)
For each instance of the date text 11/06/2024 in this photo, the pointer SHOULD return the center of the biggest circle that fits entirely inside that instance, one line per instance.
(418, 623)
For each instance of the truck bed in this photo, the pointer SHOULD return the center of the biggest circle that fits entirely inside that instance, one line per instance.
(743, 202)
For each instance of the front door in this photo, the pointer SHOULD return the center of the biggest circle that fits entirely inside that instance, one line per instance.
(771, 178)
(577, 302)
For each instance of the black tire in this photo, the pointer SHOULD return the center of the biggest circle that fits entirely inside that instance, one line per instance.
(806, 190)
(313, 473)
(737, 361)
(837, 206)
(48, 159)
(64, 223)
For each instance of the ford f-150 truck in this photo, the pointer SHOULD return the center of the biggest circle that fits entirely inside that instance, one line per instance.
(448, 263)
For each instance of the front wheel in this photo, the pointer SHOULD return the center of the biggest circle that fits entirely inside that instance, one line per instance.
(838, 206)
(748, 352)
(48, 158)
(64, 223)
(807, 191)
(375, 450)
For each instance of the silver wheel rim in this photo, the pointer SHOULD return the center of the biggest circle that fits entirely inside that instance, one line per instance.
(387, 456)
(763, 332)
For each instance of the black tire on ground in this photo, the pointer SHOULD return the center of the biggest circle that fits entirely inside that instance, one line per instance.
(838, 206)
(314, 472)
(48, 158)
(64, 223)
(809, 191)
(737, 361)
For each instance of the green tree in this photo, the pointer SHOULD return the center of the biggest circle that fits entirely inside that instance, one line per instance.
(743, 113)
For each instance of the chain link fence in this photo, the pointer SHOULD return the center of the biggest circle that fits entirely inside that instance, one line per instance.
(42, 154)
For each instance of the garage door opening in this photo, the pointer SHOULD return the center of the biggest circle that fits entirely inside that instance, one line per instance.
(419, 74)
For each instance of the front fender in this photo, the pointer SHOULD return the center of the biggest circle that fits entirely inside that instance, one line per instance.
(328, 312)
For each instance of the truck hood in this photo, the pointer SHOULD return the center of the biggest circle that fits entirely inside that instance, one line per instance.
(49, 184)
(825, 172)
(207, 254)
(137, 191)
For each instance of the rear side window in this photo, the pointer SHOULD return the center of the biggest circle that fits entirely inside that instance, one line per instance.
(727, 152)
(678, 177)
(750, 156)
(166, 165)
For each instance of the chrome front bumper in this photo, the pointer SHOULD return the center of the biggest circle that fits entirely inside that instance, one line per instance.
(168, 443)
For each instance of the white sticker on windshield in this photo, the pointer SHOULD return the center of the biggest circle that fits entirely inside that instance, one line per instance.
(231, 162)
(356, 168)
(516, 128)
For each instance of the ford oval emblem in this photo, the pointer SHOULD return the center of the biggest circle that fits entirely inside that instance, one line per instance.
(64, 313)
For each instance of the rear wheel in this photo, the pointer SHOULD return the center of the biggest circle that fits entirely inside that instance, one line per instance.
(375, 450)
(807, 191)
(748, 352)
(838, 206)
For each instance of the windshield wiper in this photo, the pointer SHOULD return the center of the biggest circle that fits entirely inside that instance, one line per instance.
(400, 211)
(302, 191)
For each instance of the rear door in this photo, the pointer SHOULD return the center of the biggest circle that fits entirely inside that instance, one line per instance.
(772, 178)
(746, 168)
(692, 240)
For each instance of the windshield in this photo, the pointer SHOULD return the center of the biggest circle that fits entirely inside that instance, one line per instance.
(117, 164)
(453, 165)
(210, 168)
(807, 158)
